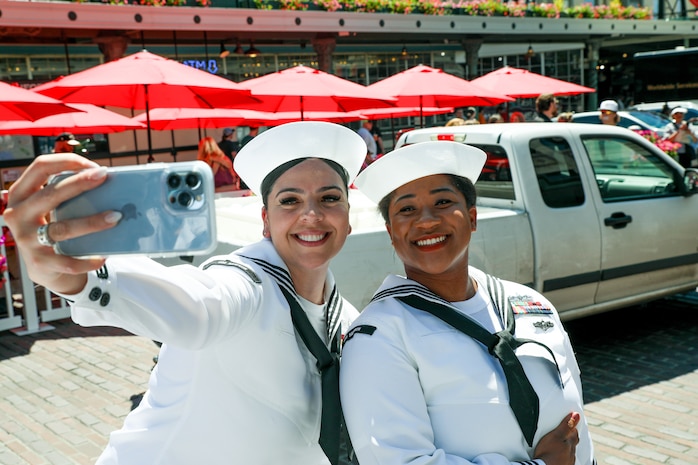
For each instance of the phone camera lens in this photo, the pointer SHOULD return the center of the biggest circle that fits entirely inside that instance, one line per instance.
(173, 181)
(185, 199)
(192, 180)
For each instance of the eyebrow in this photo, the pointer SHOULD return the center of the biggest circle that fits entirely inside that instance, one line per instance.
(296, 190)
(434, 191)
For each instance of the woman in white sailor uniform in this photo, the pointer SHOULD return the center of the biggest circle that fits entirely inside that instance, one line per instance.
(422, 386)
(235, 382)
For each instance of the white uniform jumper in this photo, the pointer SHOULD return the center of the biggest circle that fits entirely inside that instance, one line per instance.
(417, 390)
(233, 384)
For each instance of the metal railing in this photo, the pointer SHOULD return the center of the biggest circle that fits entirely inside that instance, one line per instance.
(28, 307)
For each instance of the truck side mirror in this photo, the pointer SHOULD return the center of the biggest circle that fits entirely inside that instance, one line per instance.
(690, 182)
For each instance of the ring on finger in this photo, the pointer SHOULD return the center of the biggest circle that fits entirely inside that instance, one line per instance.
(42, 236)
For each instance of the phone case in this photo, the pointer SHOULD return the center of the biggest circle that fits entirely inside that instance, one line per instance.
(168, 210)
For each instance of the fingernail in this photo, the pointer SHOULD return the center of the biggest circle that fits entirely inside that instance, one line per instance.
(113, 217)
(97, 173)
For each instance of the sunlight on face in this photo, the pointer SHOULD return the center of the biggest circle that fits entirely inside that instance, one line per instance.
(307, 216)
(430, 226)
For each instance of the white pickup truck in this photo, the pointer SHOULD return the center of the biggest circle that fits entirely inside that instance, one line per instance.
(595, 217)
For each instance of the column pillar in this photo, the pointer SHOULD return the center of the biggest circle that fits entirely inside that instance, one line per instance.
(324, 47)
(472, 50)
(112, 47)
(592, 60)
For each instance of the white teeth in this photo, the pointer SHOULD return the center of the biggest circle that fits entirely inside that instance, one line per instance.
(311, 237)
(432, 241)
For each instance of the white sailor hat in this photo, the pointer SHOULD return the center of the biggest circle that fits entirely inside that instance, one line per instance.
(610, 105)
(303, 139)
(679, 110)
(417, 161)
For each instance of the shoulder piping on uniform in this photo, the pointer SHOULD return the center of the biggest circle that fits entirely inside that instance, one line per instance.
(247, 270)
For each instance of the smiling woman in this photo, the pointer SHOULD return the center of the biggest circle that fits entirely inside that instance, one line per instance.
(208, 398)
(430, 367)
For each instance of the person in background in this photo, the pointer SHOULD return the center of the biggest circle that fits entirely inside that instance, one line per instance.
(495, 118)
(229, 144)
(471, 114)
(679, 131)
(234, 383)
(65, 143)
(418, 388)
(223, 173)
(565, 117)
(546, 108)
(517, 117)
(371, 148)
(253, 132)
(455, 122)
(608, 112)
(378, 137)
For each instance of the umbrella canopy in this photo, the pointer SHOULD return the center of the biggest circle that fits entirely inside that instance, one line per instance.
(190, 118)
(401, 112)
(423, 86)
(86, 119)
(521, 83)
(143, 81)
(17, 104)
(305, 89)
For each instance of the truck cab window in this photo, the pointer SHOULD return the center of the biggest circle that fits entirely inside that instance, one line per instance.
(557, 172)
(625, 170)
(495, 179)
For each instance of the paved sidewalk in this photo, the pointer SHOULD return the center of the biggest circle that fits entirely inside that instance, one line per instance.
(63, 391)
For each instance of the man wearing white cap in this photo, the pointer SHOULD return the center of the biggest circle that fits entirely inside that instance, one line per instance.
(609, 112)
(678, 131)
(449, 365)
(248, 370)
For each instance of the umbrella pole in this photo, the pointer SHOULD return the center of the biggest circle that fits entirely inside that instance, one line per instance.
(301, 108)
(174, 148)
(147, 117)
(421, 114)
(135, 140)
(392, 129)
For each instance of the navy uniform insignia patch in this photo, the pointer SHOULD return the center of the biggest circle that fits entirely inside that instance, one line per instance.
(523, 304)
(544, 325)
(361, 329)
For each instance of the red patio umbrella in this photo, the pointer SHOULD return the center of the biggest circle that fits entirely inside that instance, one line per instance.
(17, 104)
(521, 83)
(423, 86)
(87, 119)
(164, 119)
(305, 89)
(143, 81)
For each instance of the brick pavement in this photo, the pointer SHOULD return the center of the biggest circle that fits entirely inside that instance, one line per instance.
(64, 390)
(640, 375)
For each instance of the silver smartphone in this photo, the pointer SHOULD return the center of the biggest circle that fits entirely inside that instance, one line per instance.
(168, 210)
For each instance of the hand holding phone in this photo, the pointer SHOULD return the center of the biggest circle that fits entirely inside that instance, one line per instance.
(167, 210)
